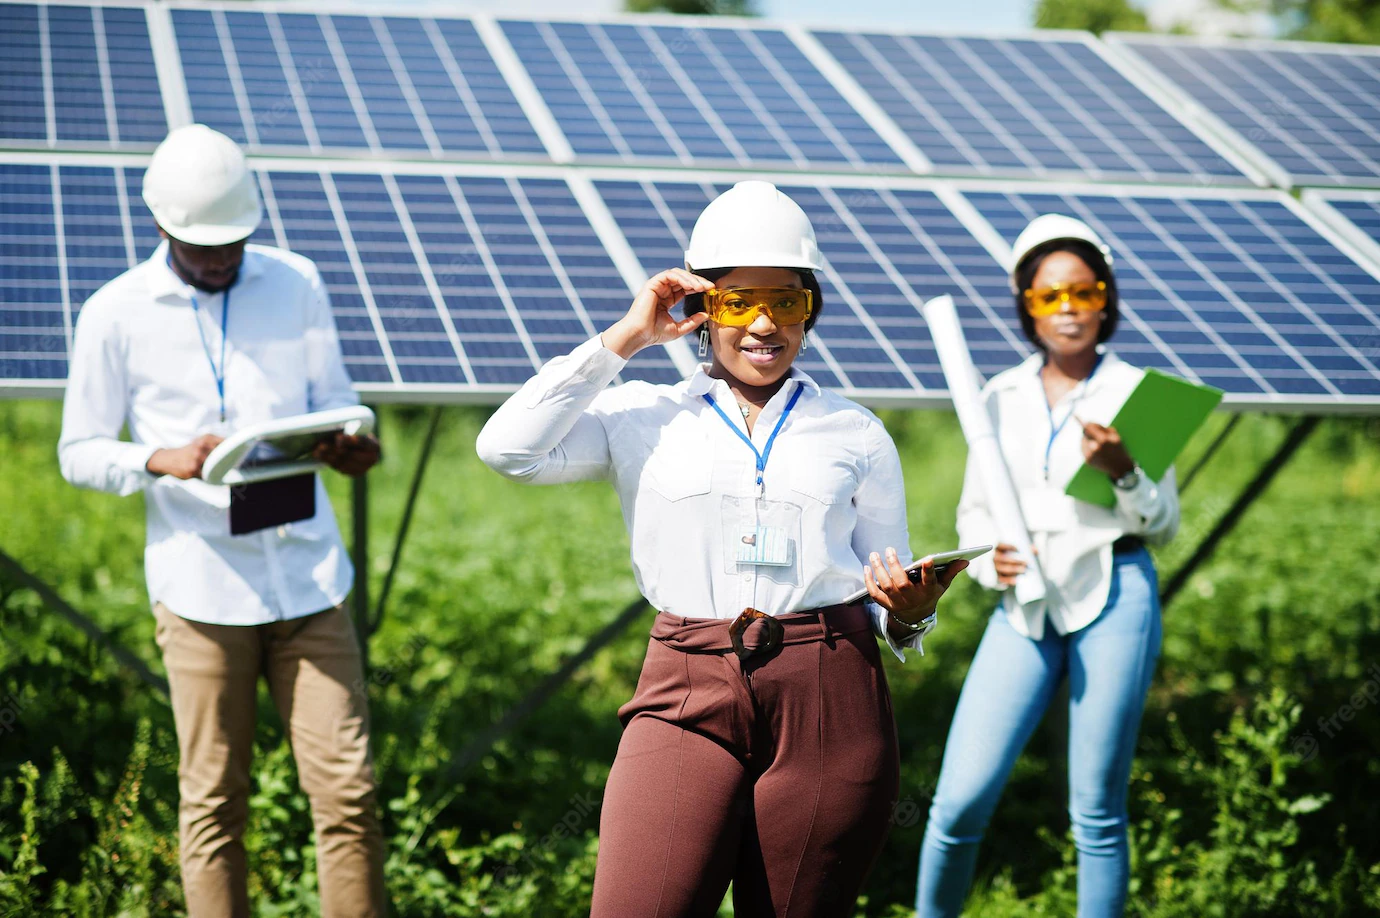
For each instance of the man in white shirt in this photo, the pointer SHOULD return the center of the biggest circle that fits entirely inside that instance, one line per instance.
(209, 335)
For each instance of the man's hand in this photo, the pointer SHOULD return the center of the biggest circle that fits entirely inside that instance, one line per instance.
(184, 462)
(348, 455)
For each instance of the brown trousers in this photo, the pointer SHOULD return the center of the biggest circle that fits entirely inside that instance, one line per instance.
(778, 772)
(313, 669)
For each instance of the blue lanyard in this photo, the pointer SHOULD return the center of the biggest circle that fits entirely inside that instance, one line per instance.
(766, 453)
(218, 374)
(1054, 429)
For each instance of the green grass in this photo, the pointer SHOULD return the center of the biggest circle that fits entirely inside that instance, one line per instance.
(1235, 812)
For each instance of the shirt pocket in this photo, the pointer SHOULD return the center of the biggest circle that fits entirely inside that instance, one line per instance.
(674, 461)
(824, 477)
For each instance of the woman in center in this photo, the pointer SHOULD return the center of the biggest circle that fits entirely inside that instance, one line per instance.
(760, 746)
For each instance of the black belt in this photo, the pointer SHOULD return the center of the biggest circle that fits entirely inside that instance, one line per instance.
(1127, 544)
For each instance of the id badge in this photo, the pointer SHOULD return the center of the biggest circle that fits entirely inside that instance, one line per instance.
(1048, 509)
(761, 537)
(767, 545)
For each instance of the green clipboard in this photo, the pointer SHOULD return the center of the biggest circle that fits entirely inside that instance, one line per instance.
(1156, 423)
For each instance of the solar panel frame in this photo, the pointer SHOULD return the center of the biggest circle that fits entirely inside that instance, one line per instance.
(1240, 401)
(1201, 114)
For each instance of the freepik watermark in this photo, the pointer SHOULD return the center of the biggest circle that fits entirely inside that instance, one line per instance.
(1305, 745)
(9, 714)
(568, 826)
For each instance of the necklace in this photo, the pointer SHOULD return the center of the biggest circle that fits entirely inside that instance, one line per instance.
(745, 408)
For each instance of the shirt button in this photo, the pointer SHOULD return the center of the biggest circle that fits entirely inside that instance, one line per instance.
(747, 577)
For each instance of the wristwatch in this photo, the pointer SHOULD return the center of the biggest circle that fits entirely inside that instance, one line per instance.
(922, 627)
(1129, 480)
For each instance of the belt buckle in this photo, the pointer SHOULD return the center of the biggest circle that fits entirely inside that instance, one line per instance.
(775, 632)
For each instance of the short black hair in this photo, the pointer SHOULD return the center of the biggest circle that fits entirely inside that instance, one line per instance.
(694, 302)
(1093, 258)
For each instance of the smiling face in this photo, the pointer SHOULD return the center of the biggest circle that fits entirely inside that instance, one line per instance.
(761, 354)
(1066, 333)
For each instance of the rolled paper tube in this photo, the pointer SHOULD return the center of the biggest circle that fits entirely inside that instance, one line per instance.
(966, 391)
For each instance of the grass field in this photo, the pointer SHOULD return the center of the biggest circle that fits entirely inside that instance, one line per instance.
(1252, 792)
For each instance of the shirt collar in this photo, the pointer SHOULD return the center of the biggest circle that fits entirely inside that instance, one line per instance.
(163, 281)
(1027, 373)
(700, 382)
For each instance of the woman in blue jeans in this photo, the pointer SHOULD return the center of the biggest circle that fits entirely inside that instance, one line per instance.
(1099, 625)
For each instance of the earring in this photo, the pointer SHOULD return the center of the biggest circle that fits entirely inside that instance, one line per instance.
(704, 341)
(804, 343)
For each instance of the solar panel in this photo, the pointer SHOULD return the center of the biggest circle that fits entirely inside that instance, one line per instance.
(1353, 214)
(443, 285)
(721, 95)
(1309, 112)
(1244, 291)
(1025, 107)
(78, 77)
(413, 86)
(885, 251)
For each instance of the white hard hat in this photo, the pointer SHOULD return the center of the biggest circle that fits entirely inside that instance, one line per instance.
(752, 224)
(1051, 228)
(200, 189)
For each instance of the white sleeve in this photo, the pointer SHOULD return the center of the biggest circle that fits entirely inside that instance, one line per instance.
(90, 451)
(881, 506)
(328, 382)
(1150, 509)
(546, 433)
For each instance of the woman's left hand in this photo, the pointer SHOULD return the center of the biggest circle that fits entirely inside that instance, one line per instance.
(1104, 451)
(892, 589)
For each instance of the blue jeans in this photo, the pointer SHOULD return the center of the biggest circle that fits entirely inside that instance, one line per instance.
(1009, 685)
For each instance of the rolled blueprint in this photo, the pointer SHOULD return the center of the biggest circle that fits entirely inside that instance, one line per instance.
(966, 392)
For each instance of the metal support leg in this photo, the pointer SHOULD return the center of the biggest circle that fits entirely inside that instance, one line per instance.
(52, 600)
(406, 524)
(1227, 523)
(359, 600)
(1208, 453)
(534, 699)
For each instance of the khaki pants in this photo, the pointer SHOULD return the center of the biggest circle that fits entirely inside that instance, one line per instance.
(313, 669)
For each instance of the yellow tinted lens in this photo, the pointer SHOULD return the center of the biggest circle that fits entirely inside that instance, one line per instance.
(739, 306)
(1081, 297)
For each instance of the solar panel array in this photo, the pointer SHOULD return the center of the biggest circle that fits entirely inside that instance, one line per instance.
(1313, 113)
(1025, 106)
(483, 194)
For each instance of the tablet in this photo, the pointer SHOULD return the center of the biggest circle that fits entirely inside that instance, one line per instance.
(281, 447)
(942, 560)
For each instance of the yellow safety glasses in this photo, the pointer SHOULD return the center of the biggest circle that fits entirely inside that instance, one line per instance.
(1081, 297)
(739, 307)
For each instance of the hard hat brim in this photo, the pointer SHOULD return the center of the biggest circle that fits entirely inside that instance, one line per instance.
(214, 233)
(755, 260)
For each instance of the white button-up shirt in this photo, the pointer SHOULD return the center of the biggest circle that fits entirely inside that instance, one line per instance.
(1074, 538)
(138, 359)
(831, 493)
